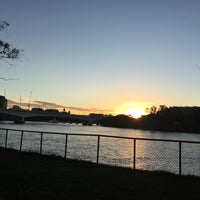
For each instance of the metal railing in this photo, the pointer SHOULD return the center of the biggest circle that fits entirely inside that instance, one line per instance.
(99, 137)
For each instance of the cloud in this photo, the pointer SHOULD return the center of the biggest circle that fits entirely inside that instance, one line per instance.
(48, 105)
(45, 104)
(95, 110)
(51, 105)
(23, 104)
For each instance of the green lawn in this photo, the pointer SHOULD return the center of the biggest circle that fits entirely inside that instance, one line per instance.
(31, 176)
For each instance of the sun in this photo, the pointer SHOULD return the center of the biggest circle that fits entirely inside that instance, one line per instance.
(136, 112)
(136, 109)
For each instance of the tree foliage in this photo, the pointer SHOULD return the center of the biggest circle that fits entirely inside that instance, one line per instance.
(175, 119)
(153, 110)
(162, 108)
(6, 51)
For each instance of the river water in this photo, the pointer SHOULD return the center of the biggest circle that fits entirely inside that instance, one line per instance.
(150, 155)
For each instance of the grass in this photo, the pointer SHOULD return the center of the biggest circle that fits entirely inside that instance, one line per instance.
(31, 176)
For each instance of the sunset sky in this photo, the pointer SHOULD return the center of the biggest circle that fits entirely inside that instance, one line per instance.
(104, 56)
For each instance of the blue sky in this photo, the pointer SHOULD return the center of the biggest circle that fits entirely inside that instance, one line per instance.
(103, 54)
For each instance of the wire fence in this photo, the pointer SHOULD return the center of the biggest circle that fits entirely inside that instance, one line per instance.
(177, 156)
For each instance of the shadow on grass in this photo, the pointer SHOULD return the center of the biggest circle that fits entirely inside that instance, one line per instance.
(31, 176)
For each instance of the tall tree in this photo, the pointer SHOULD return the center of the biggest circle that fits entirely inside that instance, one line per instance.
(162, 107)
(153, 110)
(6, 51)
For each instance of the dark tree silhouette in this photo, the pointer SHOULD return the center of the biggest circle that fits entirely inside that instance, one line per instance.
(6, 51)
(162, 108)
(153, 110)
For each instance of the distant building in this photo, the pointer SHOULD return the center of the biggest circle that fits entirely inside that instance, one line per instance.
(3, 102)
(15, 107)
(95, 116)
(37, 110)
(52, 110)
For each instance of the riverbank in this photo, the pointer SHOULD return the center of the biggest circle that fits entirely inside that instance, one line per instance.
(173, 119)
(31, 176)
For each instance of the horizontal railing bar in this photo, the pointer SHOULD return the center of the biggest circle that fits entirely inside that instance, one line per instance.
(105, 136)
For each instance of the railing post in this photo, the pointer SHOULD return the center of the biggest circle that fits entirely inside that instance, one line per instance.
(66, 140)
(98, 146)
(180, 158)
(6, 139)
(134, 154)
(41, 142)
(22, 133)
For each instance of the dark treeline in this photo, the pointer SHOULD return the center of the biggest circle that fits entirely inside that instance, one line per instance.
(179, 119)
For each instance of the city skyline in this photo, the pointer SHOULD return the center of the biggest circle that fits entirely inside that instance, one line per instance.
(113, 56)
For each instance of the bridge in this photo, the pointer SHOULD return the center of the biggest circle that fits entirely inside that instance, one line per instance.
(20, 116)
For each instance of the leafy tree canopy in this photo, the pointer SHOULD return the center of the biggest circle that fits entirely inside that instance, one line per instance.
(6, 51)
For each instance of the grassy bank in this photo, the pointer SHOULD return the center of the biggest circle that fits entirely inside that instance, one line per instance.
(31, 176)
